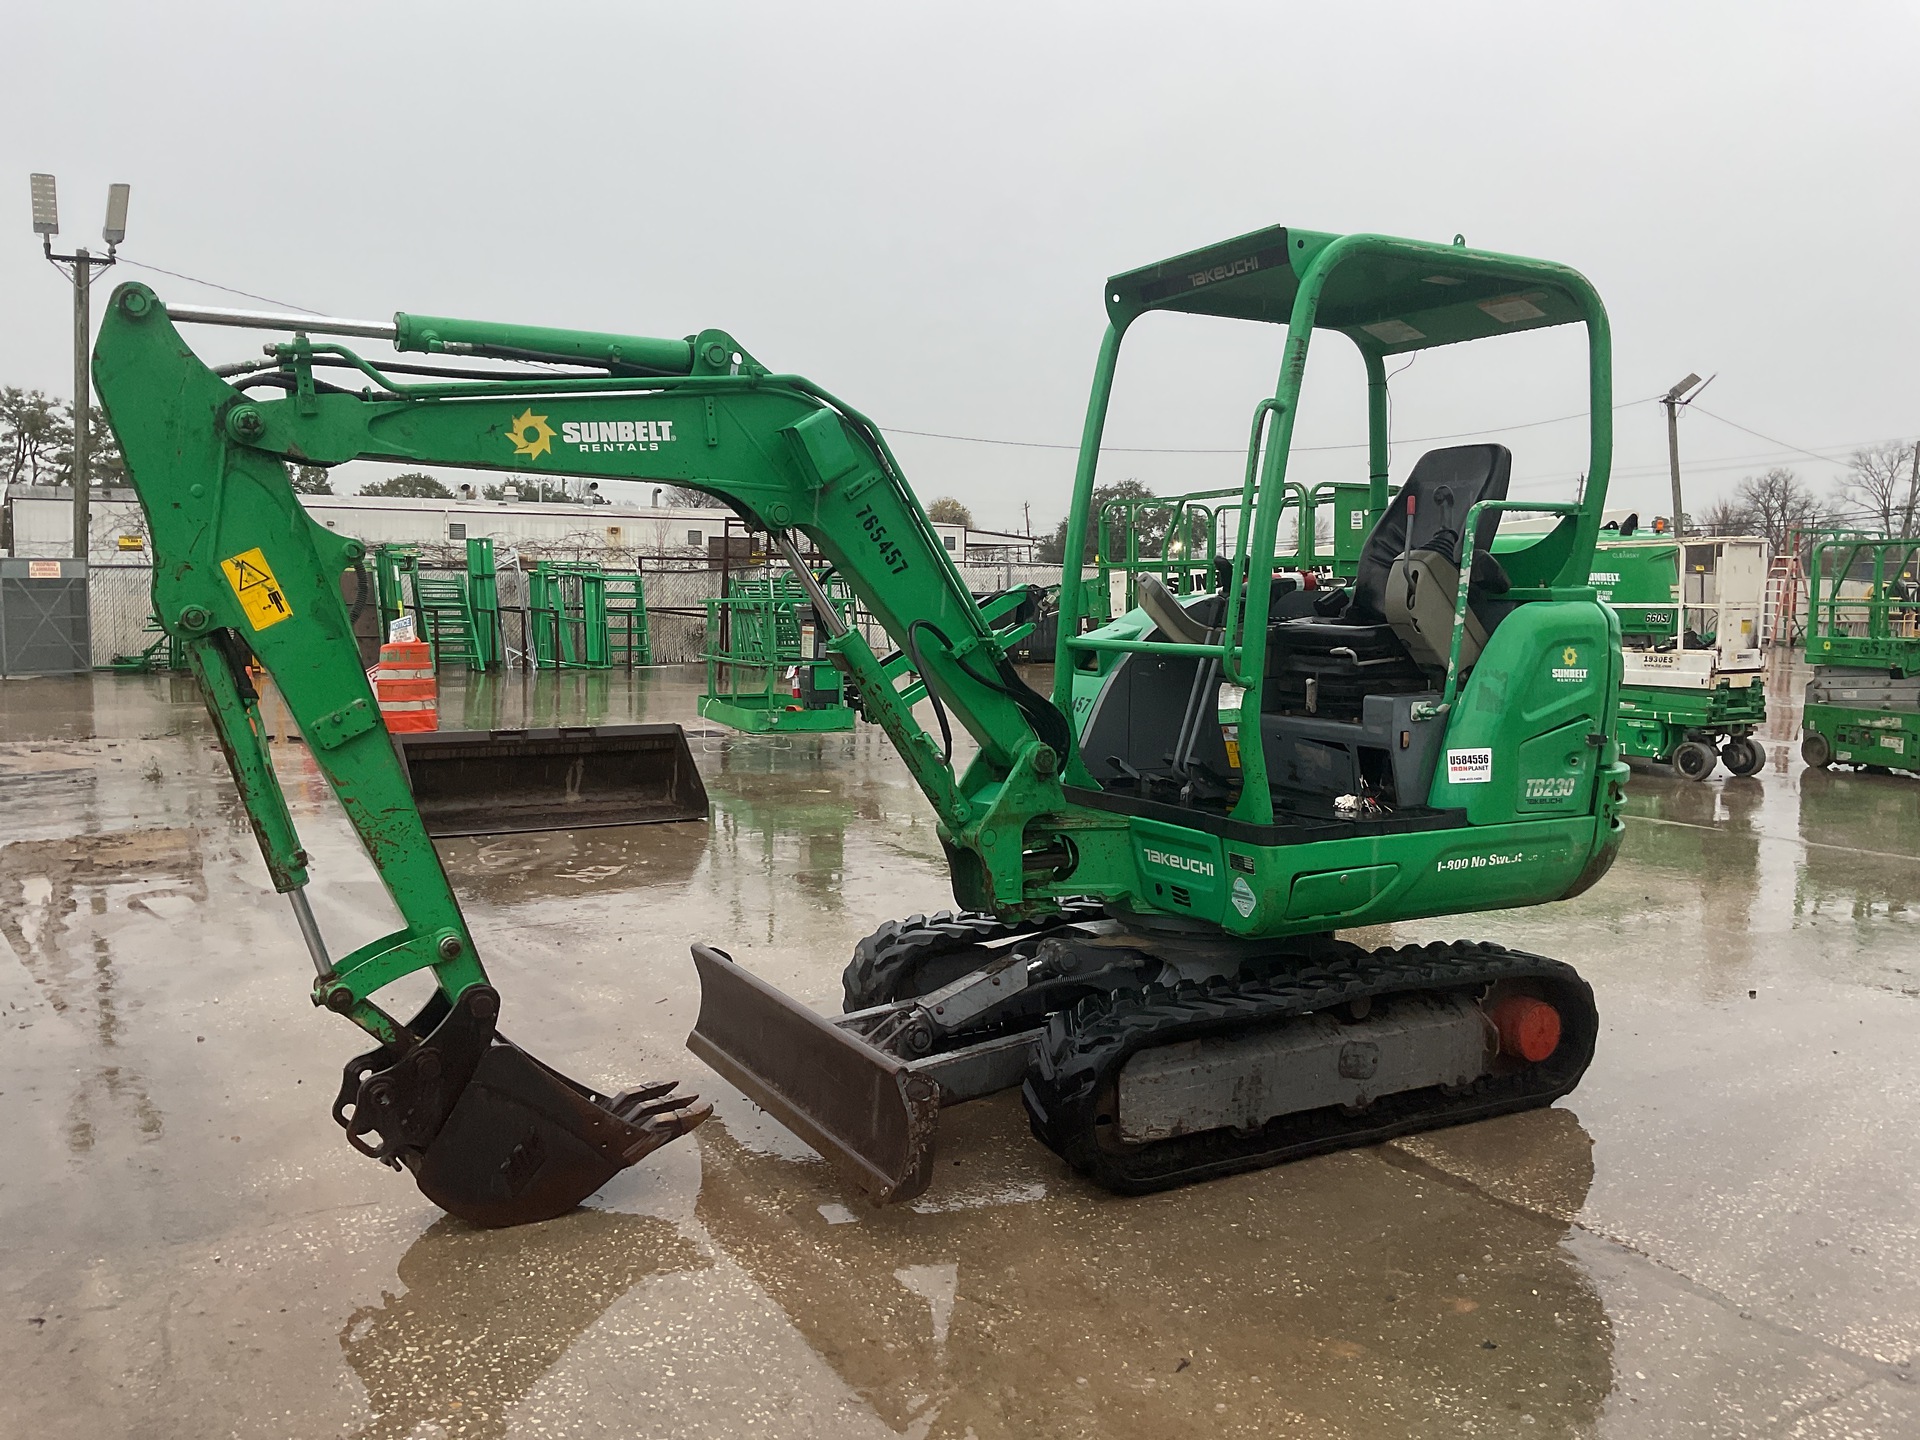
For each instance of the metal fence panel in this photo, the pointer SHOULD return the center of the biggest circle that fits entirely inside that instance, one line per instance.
(43, 616)
(121, 605)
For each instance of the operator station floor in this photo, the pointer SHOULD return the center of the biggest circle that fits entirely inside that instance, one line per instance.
(1717, 1234)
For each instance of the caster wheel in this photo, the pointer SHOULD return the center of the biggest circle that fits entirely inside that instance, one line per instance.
(1743, 755)
(1693, 761)
(1815, 750)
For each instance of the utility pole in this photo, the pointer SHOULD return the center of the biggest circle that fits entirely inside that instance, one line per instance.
(79, 267)
(1673, 400)
(1913, 492)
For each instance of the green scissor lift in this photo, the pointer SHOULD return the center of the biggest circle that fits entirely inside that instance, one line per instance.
(1863, 640)
(768, 669)
(767, 666)
(1693, 689)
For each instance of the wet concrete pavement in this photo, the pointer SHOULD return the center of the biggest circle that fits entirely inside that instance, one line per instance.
(1717, 1234)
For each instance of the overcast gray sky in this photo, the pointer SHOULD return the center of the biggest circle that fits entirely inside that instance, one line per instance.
(915, 205)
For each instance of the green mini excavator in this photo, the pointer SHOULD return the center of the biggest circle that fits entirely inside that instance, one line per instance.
(1148, 896)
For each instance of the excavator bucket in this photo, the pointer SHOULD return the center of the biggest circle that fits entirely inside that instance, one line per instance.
(503, 782)
(867, 1112)
(491, 1134)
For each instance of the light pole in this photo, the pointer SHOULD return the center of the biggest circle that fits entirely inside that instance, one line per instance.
(79, 267)
(1673, 400)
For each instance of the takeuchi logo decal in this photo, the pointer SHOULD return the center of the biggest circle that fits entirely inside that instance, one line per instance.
(530, 435)
(1178, 862)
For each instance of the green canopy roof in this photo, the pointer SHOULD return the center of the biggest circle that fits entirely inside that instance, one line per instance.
(1390, 295)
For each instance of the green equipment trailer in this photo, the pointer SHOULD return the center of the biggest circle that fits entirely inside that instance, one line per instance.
(1693, 688)
(1145, 946)
(1863, 642)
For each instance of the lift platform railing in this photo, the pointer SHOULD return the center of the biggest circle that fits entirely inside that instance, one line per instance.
(1877, 625)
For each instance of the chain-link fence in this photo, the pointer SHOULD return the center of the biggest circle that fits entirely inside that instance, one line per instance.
(120, 598)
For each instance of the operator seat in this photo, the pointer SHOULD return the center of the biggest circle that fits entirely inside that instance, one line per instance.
(1409, 573)
(1391, 631)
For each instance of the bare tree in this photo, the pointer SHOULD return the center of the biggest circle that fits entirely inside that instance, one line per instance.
(1881, 484)
(1782, 507)
(1726, 517)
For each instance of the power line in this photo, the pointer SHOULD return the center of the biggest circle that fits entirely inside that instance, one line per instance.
(1241, 449)
(1784, 445)
(1625, 472)
(216, 285)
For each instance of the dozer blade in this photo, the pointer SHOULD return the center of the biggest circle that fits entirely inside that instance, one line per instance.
(861, 1108)
(504, 782)
(490, 1133)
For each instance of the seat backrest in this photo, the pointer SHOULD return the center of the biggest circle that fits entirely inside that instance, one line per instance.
(1167, 612)
(1420, 602)
(1444, 486)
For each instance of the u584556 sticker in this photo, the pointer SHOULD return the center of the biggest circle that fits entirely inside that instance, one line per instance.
(1470, 767)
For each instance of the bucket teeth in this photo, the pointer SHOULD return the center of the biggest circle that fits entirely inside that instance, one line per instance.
(490, 1133)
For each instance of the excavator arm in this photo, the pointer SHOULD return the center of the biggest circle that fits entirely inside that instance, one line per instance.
(239, 570)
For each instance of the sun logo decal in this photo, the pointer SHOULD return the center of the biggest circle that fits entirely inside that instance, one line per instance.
(530, 435)
(1569, 656)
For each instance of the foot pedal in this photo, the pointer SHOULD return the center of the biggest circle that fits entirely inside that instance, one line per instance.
(491, 1134)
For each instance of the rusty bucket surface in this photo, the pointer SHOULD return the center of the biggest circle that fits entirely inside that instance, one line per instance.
(504, 782)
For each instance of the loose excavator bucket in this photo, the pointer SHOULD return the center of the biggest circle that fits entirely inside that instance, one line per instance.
(490, 1133)
(504, 782)
(865, 1111)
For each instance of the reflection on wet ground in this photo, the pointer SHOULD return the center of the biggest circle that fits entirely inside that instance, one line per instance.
(1369, 1293)
(481, 1317)
(1717, 1233)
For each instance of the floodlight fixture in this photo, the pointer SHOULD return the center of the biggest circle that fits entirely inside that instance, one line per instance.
(46, 206)
(116, 227)
(1683, 387)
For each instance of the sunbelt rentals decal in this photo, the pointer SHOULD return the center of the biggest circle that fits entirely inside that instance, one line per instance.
(1570, 670)
(533, 436)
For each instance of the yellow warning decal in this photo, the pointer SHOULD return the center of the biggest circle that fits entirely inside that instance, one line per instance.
(260, 594)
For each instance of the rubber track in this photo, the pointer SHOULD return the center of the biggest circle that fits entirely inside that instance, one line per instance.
(1077, 1062)
(882, 959)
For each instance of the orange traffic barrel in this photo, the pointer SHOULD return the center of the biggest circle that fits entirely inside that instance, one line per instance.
(403, 683)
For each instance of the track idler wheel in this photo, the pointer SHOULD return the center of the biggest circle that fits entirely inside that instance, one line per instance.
(491, 1134)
